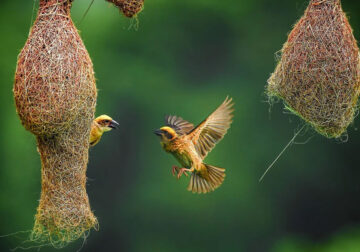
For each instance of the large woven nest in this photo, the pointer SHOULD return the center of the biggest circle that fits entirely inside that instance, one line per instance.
(130, 8)
(55, 96)
(318, 74)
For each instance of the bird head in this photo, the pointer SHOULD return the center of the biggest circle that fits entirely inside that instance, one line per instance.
(106, 123)
(166, 134)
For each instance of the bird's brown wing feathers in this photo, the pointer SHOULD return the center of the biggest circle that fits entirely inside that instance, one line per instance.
(180, 125)
(209, 132)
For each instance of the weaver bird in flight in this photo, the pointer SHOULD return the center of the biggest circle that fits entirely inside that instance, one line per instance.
(100, 125)
(191, 145)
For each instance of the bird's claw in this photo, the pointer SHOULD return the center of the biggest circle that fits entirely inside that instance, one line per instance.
(181, 172)
(178, 172)
(174, 170)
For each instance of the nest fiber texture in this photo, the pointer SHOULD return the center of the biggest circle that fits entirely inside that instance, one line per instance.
(55, 97)
(130, 8)
(318, 74)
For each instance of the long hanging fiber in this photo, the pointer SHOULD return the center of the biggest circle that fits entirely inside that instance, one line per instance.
(318, 76)
(55, 97)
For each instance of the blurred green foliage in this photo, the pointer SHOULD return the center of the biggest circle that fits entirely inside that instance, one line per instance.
(184, 58)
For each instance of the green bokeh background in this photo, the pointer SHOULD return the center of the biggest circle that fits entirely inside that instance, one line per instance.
(184, 58)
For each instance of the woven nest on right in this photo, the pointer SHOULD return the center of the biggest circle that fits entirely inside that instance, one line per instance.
(318, 74)
(130, 8)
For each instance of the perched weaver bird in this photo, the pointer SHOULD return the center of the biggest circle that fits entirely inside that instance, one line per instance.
(100, 125)
(191, 145)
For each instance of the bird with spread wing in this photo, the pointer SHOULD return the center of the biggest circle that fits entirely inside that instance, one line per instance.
(190, 145)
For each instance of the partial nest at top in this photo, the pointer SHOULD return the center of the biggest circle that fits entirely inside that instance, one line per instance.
(130, 8)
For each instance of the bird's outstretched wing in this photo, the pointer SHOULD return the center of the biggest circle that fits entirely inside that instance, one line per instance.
(210, 131)
(180, 125)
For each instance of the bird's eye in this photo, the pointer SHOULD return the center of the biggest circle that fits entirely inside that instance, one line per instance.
(106, 121)
(168, 135)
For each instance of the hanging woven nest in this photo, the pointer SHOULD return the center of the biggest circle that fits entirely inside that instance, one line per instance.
(55, 97)
(130, 8)
(318, 74)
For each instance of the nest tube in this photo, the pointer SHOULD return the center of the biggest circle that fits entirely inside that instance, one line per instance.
(318, 75)
(64, 212)
(55, 97)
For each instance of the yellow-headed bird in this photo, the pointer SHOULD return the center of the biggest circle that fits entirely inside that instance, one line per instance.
(191, 145)
(100, 125)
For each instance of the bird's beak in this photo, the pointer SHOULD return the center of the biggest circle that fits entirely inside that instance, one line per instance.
(113, 124)
(158, 132)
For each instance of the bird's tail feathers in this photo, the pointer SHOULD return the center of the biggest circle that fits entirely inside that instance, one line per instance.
(206, 180)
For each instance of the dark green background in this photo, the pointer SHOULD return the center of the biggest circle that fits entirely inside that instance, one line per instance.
(184, 58)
